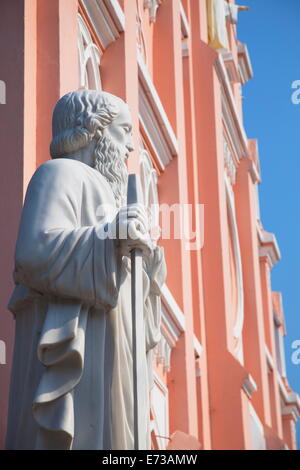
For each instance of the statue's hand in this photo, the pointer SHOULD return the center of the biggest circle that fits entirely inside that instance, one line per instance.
(133, 230)
(156, 269)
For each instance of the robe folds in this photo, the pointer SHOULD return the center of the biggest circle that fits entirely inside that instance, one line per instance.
(71, 381)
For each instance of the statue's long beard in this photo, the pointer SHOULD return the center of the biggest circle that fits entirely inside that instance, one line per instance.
(109, 162)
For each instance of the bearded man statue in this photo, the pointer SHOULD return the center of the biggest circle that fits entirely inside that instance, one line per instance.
(71, 382)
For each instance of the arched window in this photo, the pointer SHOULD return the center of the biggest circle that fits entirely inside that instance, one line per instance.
(149, 186)
(89, 58)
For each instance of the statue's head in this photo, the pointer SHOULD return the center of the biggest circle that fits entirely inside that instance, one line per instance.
(94, 127)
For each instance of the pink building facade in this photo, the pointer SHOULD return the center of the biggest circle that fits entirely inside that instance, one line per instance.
(219, 369)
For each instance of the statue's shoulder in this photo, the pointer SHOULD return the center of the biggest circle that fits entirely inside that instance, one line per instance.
(59, 165)
(61, 168)
(68, 174)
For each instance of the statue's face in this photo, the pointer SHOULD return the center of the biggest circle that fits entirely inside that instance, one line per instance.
(119, 131)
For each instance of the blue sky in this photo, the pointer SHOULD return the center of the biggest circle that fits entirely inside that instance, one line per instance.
(271, 30)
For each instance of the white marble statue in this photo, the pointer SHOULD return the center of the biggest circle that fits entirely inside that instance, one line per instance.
(71, 383)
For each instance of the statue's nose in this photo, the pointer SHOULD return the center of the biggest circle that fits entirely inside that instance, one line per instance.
(130, 144)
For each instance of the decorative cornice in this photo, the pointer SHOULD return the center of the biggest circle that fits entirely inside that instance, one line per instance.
(185, 32)
(152, 6)
(197, 347)
(173, 308)
(245, 67)
(291, 405)
(107, 19)
(185, 49)
(249, 386)
(259, 428)
(171, 329)
(154, 120)
(278, 311)
(172, 326)
(229, 162)
(185, 27)
(234, 237)
(89, 53)
(268, 246)
(270, 361)
(161, 434)
(163, 353)
(174, 319)
(198, 368)
(230, 114)
(233, 73)
(231, 117)
(253, 156)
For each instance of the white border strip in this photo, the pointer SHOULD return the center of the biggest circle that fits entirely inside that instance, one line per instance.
(185, 27)
(157, 106)
(173, 308)
(116, 13)
(178, 316)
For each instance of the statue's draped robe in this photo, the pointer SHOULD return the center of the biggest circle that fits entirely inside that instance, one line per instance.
(71, 382)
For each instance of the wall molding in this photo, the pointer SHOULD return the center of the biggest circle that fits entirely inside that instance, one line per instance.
(89, 58)
(291, 400)
(231, 118)
(245, 67)
(268, 246)
(107, 19)
(152, 6)
(153, 118)
(233, 233)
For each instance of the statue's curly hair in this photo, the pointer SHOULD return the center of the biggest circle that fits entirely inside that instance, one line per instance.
(78, 117)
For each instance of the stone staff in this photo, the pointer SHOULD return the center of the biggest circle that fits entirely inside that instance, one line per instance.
(134, 196)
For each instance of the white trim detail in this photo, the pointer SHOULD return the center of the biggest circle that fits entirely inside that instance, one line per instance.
(154, 118)
(169, 337)
(185, 49)
(270, 361)
(291, 400)
(162, 442)
(163, 353)
(169, 326)
(149, 180)
(231, 116)
(107, 18)
(280, 356)
(116, 13)
(198, 369)
(229, 162)
(140, 37)
(173, 308)
(268, 245)
(152, 6)
(245, 67)
(258, 441)
(249, 385)
(185, 27)
(233, 232)
(170, 332)
(232, 71)
(89, 58)
(197, 347)
(174, 319)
